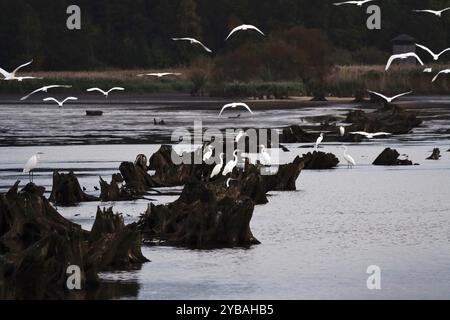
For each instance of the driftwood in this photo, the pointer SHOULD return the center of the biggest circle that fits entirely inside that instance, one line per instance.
(66, 190)
(37, 245)
(320, 161)
(389, 157)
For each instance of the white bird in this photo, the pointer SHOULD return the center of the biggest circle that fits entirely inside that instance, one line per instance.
(31, 165)
(371, 135)
(428, 70)
(235, 105)
(402, 56)
(389, 99)
(231, 164)
(358, 3)
(218, 167)
(228, 182)
(240, 135)
(342, 131)
(193, 41)
(61, 103)
(265, 156)
(105, 93)
(12, 75)
(208, 154)
(434, 55)
(446, 71)
(159, 74)
(437, 13)
(350, 161)
(44, 89)
(319, 140)
(244, 27)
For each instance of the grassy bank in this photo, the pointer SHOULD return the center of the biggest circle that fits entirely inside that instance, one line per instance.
(344, 81)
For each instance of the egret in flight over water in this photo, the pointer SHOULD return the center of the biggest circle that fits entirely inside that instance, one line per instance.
(233, 106)
(12, 75)
(44, 89)
(193, 41)
(389, 99)
(371, 135)
(61, 103)
(106, 93)
(434, 55)
(446, 71)
(402, 56)
(244, 27)
(437, 13)
(358, 3)
(159, 74)
(31, 165)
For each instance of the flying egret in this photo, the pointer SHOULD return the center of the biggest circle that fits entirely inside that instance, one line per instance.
(44, 89)
(342, 131)
(208, 154)
(446, 71)
(231, 164)
(193, 41)
(371, 135)
(358, 3)
(218, 167)
(435, 56)
(350, 161)
(159, 74)
(244, 27)
(31, 165)
(437, 13)
(12, 75)
(389, 99)
(234, 105)
(265, 158)
(402, 56)
(428, 70)
(319, 140)
(106, 93)
(61, 103)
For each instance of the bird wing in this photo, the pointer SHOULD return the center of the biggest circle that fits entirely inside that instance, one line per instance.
(256, 29)
(224, 108)
(96, 89)
(381, 134)
(446, 9)
(379, 94)
(116, 89)
(182, 39)
(69, 99)
(412, 54)
(245, 106)
(52, 99)
(428, 11)
(29, 95)
(391, 59)
(204, 47)
(426, 49)
(346, 2)
(361, 133)
(440, 72)
(4, 73)
(233, 31)
(443, 51)
(22, 66)
(401, 95)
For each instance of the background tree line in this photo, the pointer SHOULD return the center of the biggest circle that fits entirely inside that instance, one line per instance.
(302, 35)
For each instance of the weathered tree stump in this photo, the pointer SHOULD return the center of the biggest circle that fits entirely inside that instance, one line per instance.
(389, 157)
(436, 155)
(320, 161)
(66, 190)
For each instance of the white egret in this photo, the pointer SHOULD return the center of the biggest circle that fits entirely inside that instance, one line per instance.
(44, 89)
(159, 74)
(350, 161)
(208, 154)
(428, 70)
(244, 27)
(402, 56)
(342, 131)
(265, 158)
(60, 103)
(231, 164)
(106, 93)
(193, 41)
(358, 3)
(389, 99)
(319, 140)
(218, 167)
(437, 13)
(234, 105)
(434, 55)
(446, 71)
(12, 75)
(31, 165)
(371, 135)
(240, 135)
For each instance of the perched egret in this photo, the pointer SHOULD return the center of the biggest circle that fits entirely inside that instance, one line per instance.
(231, 164)
(208, 154)
(265, 158)
(218, 167)
(31, 165)
(319, 140)
(342, 131)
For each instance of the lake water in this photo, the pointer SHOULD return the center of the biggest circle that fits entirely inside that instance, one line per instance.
(316, 243)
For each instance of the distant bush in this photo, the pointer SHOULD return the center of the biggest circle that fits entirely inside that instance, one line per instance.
(277, 90)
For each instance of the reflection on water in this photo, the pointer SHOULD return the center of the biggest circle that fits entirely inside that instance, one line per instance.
(317, 242)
